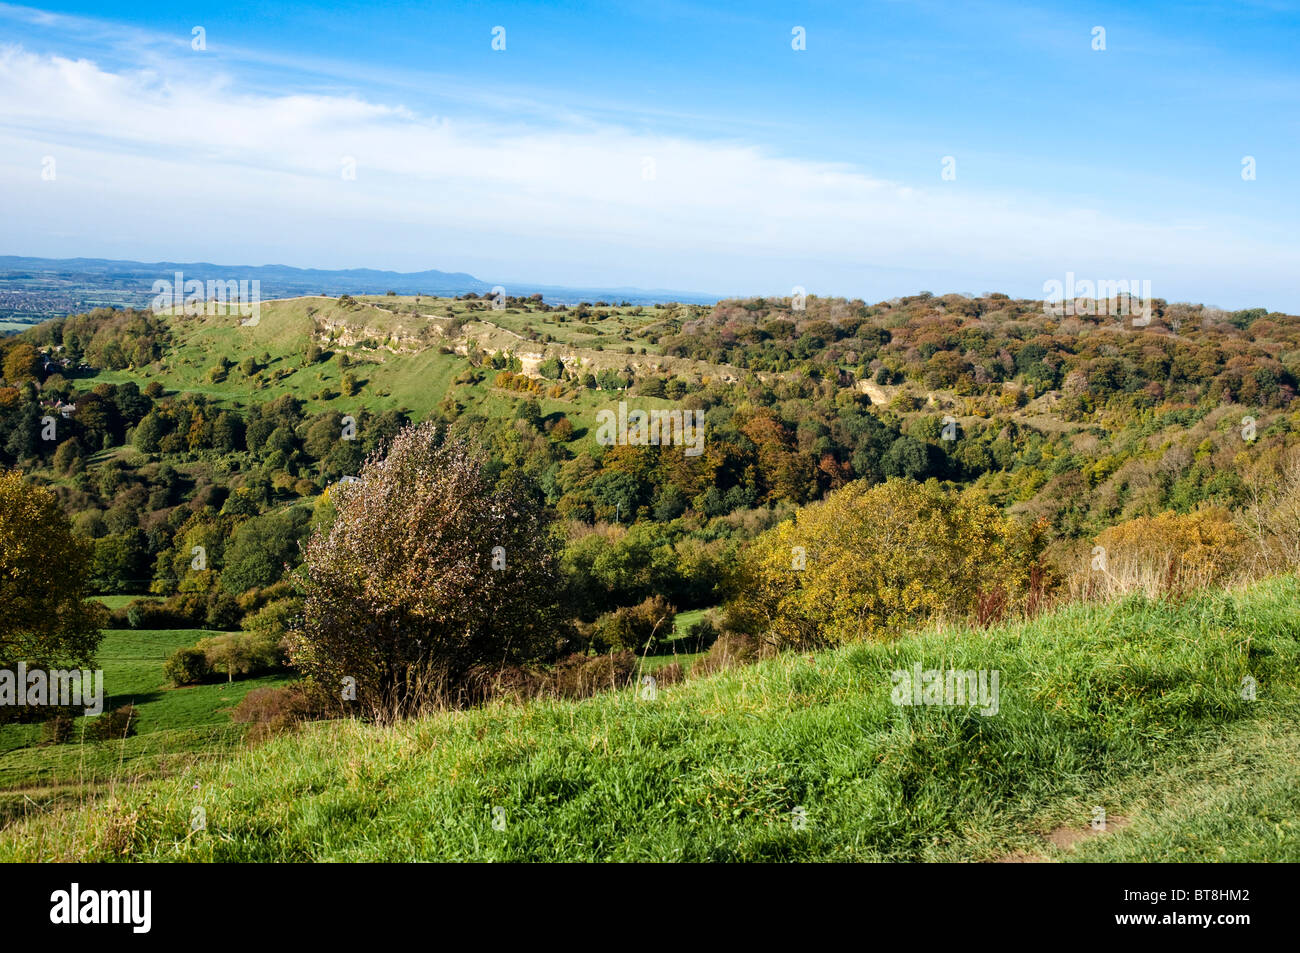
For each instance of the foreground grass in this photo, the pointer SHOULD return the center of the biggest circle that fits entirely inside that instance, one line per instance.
(1134, 707)
(1237, 800)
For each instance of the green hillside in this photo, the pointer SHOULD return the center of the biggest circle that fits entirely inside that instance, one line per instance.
(1135, 708)
(403, 349)
(867, 471)
(173, 725)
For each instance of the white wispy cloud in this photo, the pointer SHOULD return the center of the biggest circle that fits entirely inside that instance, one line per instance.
(180, 160)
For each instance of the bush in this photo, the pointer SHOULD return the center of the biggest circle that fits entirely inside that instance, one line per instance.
(669, 674)
(221, 612)
(186, 610)
(273, 710)
(428, 569)
(875, 559)
(700, 635)
(1272, 519)
(58, 729)
(187, 666)
(581, 676)
(578, 675)
(113, 725)
(175, 613)
(256, 652)
(729, 651)
(636, 628)
(275, 619)
(1165, 555)
(243, 653)
(253, 600)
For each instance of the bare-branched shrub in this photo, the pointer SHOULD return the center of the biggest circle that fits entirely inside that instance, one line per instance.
(729, 651)
(427, 570)
(273, 710)
(669, 674)
(112, 725)
(1271, 520)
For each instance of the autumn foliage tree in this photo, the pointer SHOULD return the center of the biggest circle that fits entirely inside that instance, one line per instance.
(20, 363)
(870, 560)
(427, 571)
(1166, 554)
(45, 618)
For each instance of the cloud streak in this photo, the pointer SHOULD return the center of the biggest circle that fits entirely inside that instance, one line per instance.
(177, 160)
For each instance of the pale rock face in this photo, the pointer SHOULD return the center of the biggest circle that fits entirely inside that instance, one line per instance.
(529, 362)
(346, 335)
(874, 391)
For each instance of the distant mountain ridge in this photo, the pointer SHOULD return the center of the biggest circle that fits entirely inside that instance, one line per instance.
(34, 289)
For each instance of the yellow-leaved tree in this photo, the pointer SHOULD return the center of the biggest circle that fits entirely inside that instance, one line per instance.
(1166, 554)
(870, 560)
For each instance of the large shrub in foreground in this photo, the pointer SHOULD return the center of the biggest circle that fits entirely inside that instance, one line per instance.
(875, 559)
(407, 588)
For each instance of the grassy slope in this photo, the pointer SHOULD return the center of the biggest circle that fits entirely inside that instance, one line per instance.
(414, 381)
(673, 648)
(1133, 707)
(174, 724)
(119, 602)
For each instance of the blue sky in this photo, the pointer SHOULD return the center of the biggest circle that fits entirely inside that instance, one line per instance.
(669, 145)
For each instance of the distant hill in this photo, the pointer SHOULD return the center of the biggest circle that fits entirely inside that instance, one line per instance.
(35, 289)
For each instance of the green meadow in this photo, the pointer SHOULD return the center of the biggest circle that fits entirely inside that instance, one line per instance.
(173, 725)
(1135, 708)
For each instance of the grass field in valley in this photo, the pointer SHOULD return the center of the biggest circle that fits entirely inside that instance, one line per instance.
(1133, 707)
(173, 726)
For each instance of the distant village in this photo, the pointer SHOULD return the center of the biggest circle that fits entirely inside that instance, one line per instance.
(54, 362)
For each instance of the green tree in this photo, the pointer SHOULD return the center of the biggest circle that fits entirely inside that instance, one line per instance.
(910, 458)
(47, 620)
(262, 548)
(149, 433)
(67, 458)
(120, 562)
(227, 430)
(323, 435)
